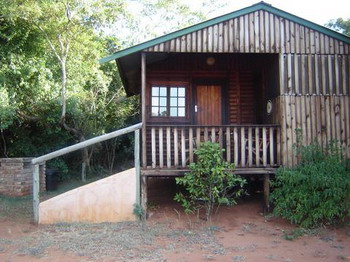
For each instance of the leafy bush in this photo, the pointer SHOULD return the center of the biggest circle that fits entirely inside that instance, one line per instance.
(59, 165)
(210, 182)
(316, 192)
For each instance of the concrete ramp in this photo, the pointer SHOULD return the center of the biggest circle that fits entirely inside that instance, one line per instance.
(108, 200)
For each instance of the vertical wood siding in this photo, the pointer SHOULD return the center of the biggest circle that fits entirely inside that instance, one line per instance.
(241, 98)
(258, 32)
(320, 118)
(314, 74)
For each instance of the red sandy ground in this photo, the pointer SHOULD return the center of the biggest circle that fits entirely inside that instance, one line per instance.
(243, 231)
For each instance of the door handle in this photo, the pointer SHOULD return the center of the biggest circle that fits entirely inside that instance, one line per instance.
(195, 109)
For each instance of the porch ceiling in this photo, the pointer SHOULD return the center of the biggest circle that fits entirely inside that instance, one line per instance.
(130, 69)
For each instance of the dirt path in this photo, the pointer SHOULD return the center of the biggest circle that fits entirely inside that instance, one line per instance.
(239, 233)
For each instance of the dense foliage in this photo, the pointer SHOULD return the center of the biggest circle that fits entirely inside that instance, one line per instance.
(211, 181)
(54, 93)
(317, 191)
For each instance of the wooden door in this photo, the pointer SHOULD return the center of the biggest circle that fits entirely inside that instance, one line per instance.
(208, 108)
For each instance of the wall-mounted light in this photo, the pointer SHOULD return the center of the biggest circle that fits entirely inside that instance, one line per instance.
(210, 60)
(269, 107)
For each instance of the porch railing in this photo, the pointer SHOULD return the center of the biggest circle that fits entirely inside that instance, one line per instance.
(245, 145)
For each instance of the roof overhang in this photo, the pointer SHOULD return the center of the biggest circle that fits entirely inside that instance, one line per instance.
(130, 69)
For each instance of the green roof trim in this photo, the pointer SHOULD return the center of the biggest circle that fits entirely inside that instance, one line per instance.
(256, 7)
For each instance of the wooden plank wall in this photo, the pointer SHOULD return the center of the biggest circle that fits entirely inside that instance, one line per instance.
(314, 98)
(241, 98)
(320, 117)
(314, 74)
(258, 32)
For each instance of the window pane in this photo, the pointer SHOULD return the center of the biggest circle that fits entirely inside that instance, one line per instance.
(181, 111)
(173, 101)
(162, 91)
(162, 111)
(173, 111)
(173, 91)
(181, 91)
(155, 91)
(162, 101)
(155, 111)
(181, 101)
(155, 101)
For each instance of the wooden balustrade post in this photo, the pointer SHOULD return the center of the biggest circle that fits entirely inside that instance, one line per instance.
(153, 146)
(228, 144)
(168, 147)
(137, 166)
(36, 191)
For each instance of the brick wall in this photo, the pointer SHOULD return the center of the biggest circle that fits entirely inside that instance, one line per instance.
(16, 177)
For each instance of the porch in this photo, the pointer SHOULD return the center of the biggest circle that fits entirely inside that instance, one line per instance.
(254, 149)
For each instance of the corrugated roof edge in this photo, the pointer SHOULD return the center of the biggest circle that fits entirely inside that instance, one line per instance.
(259, 6)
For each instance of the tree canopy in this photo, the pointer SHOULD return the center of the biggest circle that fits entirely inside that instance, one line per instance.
(341, 25)
(53, 92)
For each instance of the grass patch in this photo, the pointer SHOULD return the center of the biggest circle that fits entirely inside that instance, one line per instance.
(16, 207)
(299, 232)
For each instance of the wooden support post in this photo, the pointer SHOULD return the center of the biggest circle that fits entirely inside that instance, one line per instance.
(144, 196)
(36, 190)
(137, 167)
(143, 108)
(266, 193)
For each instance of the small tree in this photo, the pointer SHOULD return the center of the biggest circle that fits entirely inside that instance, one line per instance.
(210, 182)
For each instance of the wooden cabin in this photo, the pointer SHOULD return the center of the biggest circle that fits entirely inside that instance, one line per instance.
(246, 80)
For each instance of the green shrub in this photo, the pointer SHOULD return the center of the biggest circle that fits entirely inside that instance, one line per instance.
(210, 182)
(59, 165)
(316, 192)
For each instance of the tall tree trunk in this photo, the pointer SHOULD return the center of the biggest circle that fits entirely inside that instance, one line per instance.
(74, 131)
(63, 89)
(4, 143)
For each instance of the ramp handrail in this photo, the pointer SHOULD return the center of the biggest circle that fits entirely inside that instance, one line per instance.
(39, 160)
(86, 143)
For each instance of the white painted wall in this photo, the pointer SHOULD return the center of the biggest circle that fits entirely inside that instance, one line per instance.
(108, 200)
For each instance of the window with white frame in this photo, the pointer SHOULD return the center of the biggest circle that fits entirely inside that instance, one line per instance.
(168, 101)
